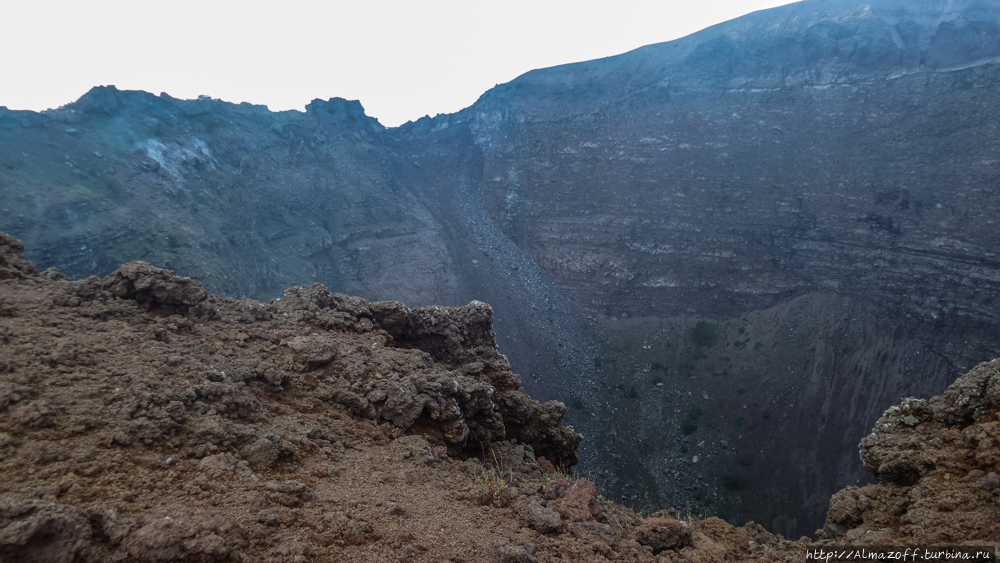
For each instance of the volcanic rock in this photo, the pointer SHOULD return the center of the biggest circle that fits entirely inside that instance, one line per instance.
(661, 534)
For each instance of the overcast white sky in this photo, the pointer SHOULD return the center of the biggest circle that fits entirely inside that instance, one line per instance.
(402, 59)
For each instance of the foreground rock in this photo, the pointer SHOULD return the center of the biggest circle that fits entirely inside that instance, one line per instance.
(937, 463)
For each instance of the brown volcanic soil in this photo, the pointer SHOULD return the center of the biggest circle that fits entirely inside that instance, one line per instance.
(142, 419)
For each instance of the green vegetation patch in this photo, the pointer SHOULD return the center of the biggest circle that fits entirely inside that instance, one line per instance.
(704, 333)
(688, 426)
(81, 190)
(643, 494)
(734, 481)
(601, 361)
(691, 423)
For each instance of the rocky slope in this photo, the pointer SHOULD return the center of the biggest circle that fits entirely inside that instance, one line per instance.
(768, 174)
(798, 174)
(144, 420)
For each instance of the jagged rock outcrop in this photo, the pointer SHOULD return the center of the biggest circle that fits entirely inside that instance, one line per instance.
(448, 334)
(14, 266)
(468, 408)
(155, 288)
(937, 466)
(463, 338)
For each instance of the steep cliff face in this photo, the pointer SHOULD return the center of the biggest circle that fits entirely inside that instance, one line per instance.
(823, 146)
(820, 176)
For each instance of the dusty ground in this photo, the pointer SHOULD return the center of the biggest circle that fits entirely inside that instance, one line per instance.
(142, 419)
